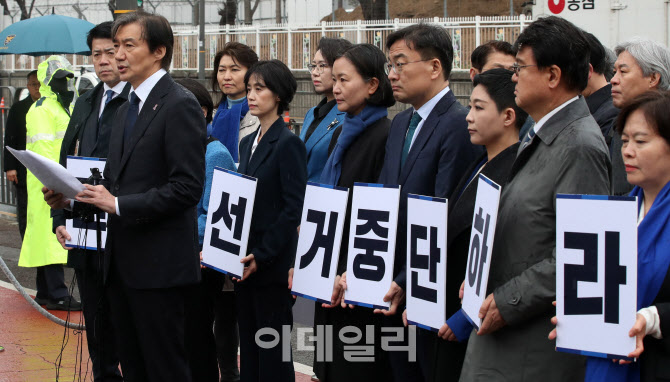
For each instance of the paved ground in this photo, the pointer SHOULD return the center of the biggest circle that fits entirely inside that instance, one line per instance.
(33, 343)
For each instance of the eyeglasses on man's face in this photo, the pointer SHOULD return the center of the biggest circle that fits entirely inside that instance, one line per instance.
(397, 67)
(516, 68)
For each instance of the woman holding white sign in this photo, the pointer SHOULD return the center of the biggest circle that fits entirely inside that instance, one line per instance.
(494, 121)
(644, 125)
(357, 150)
(277, 159)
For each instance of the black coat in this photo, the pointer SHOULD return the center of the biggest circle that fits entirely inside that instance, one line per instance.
(85, 116)
(15, 137)
(655, 360)
(280, 166)
(603, 111)
(157, 177)
(362, 162)
(449, 355)
(437, 160)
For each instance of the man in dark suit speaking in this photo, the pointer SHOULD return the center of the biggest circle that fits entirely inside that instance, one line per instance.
(155, 171)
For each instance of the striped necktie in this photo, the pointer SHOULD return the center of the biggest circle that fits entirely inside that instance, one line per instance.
(528, 138)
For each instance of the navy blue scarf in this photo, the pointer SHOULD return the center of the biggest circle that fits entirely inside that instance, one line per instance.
(653, 260)
(226, 125)
(352, 127)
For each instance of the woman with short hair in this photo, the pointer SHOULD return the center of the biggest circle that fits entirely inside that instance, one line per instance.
(276, 158)
(494, 121)
(232, 120)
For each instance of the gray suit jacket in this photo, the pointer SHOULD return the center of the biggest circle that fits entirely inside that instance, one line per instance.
(568, 155)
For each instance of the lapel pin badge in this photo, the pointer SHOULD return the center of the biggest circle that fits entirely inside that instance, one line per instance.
(155, 106)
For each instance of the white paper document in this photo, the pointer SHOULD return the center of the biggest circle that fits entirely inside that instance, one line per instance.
(52, 175)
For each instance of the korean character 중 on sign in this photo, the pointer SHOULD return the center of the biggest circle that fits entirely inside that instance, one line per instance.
(426, 261)
(372, 237)
(319, 242)
(573, 5)
(231, 204)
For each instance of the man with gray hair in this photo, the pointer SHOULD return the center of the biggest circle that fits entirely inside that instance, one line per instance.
(641, 65)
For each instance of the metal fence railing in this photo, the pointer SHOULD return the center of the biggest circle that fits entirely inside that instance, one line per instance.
(295, 45)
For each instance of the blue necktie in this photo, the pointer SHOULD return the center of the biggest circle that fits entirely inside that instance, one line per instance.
(413, 123)
(529, 137)
(131, 117)
(110, 95)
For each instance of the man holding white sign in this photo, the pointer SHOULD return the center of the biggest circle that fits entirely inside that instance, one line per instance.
(564, 153)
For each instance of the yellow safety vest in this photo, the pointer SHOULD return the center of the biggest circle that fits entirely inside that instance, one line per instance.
(46, 123)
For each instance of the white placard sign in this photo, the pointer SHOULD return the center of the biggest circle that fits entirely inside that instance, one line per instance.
(231, 203)
(426, 261)
(596, 274)
(82, 234)
(481, 246)
(372, 235)
(321, 227)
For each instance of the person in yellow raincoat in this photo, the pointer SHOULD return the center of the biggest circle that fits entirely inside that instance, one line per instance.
(46, 123)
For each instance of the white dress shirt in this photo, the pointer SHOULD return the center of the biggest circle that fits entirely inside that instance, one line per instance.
(142, 92)
(425, 110)
(255, 144)
(117, 90)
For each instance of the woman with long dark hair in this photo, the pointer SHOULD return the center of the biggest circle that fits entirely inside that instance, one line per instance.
(276, 158)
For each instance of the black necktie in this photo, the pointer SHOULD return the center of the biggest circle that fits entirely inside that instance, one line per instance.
(131, 117)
